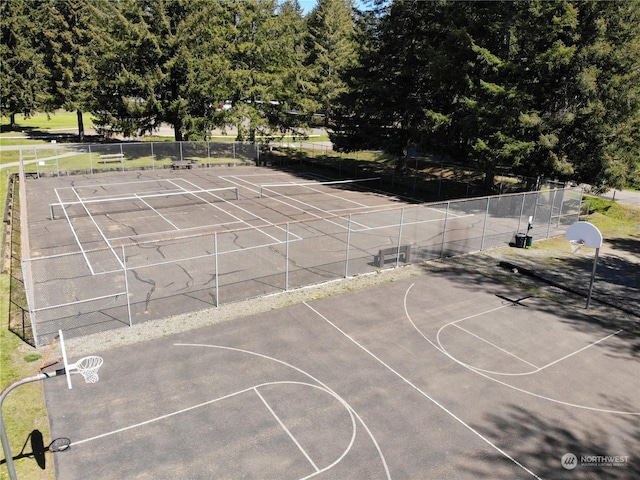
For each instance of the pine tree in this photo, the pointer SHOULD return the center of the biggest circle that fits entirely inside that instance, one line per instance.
(68, 37)
(539, 88)
(23, 88)
(266, 75)
(605, 138)
(332, 50)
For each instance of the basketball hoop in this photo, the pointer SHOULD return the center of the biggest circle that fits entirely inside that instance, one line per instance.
(60, 444)
(576, 245)
(88, 367)
(587, 234)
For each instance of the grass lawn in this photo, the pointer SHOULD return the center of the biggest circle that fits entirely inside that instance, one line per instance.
(24, 410)
(59, 120)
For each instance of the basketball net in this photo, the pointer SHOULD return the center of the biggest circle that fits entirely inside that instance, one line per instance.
(576, 245)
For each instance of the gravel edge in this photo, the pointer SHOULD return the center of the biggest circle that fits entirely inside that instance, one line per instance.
(489, 263)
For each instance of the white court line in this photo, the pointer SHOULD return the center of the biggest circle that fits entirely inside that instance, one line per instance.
(247, 212)
(284, 427)
(318, 384)
(279, 200)
(424, 394)
(73, 231)
(311, 188)
(478, 371)
(197, 257)
(455, 324)
(397, 225)
(188, 229)
(580, 350)
(353, 222)
(283, 202)
(103, 185)
(325, 387)
(157, 212)
(106, 240)
(161, 417)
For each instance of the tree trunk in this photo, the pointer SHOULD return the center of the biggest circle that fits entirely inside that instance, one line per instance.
(489, 178)
(80, 126)
(12, 121)
(177, 129)
(401, 164)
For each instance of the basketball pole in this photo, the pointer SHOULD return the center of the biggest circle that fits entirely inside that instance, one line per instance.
(593, 277)
(3, 431)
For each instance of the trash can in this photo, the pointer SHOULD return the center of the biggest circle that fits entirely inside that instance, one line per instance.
(521, 239)
(529, 241)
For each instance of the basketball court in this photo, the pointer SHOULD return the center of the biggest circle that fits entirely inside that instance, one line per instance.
(445, 375)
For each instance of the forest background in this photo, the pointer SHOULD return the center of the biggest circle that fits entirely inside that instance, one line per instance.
(535, 88)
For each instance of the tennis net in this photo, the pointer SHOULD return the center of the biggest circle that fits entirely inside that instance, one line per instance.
(288, 189)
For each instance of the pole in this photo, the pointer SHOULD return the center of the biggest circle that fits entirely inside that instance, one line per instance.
(346, 254)
(3, 432)
(286, 264)
(126, 285)
(215, 249)
(593, 277)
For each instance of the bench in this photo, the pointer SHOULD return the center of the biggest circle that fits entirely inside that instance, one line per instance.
(31, 175)
(111, 158)
(178, 164)
(401, 253)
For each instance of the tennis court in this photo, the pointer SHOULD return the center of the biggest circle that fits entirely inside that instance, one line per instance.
(116, 249)
(446, 375)
(119, 238)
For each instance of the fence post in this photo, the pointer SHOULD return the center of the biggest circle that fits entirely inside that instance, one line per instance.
(27, 282)
(561, 206)
(444, 230)
(399, 237)
(535, 206)
(346, 262)
(521, 211)
(286, 268)
(126, 284)
(552, 201)
(215, 249)
(484, 226)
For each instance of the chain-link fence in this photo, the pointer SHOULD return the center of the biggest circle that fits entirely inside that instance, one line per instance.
(66, 159)
(103, 289)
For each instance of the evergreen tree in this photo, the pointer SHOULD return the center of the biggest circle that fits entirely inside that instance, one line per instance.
(68, 35)
(541, 88)
(157, 67)
(266, 77)
(128, 68)
(23, 85)
(385, 105)
(605, 136)
(332, 50)
(178, 61)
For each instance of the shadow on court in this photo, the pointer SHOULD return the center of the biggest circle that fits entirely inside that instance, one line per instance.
(445, 375)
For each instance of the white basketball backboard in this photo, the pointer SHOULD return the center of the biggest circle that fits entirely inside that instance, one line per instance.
(65, 360)
(585, 233)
